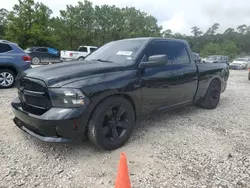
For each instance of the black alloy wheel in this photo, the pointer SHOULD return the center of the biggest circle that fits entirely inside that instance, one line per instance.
(115, 124)
(215, 92)
(212, 97)
(111, 123)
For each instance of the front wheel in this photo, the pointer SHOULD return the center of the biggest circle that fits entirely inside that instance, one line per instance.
(112, 123)
(212, 97)
(80, 59)
(7, 78)
(35, 61)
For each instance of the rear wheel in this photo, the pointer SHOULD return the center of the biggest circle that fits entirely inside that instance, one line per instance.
(35, 61)
(80, 59)
(212, 97)
(7, 78)
(112, 123)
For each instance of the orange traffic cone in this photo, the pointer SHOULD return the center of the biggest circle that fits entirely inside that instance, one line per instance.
(122, 179)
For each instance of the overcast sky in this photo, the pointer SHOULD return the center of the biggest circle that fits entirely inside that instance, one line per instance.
(177, 15)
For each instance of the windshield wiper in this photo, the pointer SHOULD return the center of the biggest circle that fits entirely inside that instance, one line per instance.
(102, 60)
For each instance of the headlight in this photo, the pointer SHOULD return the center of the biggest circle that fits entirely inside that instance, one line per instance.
(67, 97)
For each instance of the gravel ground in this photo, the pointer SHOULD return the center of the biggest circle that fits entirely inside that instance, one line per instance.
(190, 147)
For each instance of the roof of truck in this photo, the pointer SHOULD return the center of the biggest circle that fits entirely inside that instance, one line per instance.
(157, 38)
(89, 46)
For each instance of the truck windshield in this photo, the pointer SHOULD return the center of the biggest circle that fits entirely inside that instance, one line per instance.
(122, 51)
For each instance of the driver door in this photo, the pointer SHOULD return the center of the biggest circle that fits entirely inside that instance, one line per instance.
(158, 83)
(171, 85)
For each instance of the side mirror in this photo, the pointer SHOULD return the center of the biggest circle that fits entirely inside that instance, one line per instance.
(154, 61)
(197, 60)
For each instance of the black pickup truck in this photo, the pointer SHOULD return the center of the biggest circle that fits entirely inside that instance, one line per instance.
(102, 96)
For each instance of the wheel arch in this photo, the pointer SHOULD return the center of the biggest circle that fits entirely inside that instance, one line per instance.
(202, 90)
(12, 68)
(216, 78)
(126, 96)
(81, 57)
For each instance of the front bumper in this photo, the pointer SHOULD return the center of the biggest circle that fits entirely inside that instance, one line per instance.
(68, 59)
(24, 128)
(55, 125)
(237, 67)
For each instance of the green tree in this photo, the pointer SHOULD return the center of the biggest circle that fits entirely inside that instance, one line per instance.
(29, 24)
(211, 49)
(196, 31)
(85, 24)
(229, 31)
(242, 28)
(212, 30)
(3, 21)
(229, 48)
(167, 33)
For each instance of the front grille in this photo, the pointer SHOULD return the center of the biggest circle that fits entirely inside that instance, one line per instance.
(32, 86)
(41, 102)
(34, 96)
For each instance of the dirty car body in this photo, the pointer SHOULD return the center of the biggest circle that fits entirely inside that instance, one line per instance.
(45, 109)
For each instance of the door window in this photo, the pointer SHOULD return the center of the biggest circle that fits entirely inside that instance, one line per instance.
(92, 50)
(4, 48)
(83, 49)
(41, 50)
(176, 52)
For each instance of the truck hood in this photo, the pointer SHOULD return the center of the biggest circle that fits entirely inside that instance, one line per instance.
(58, 75)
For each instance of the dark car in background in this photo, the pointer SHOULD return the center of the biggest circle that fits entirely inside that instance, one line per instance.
(40, 55)
(13, 60)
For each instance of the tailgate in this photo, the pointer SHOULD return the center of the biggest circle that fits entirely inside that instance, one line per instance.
(71, 54)
(65, 54)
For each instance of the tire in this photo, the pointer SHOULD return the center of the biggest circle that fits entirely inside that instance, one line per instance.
(212, 97)
(80, 59)
(35, 61)
(104, 131)
(7, 78)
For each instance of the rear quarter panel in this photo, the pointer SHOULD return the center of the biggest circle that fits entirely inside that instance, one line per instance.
(14, 59)
(208, 72)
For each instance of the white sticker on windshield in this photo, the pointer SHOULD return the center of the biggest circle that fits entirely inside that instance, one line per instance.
(126, 53)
